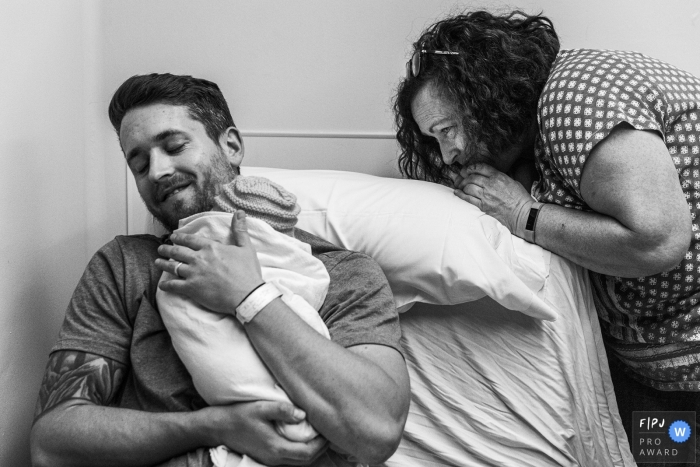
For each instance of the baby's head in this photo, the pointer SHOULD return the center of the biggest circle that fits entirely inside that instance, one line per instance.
(262, 199)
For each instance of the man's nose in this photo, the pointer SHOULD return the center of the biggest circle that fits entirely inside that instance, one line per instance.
(160, 165)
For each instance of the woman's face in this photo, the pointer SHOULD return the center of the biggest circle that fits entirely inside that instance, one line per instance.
(440, 119)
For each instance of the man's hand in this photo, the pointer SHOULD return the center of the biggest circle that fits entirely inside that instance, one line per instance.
(215, 275)
(496, 194)
(249, 428)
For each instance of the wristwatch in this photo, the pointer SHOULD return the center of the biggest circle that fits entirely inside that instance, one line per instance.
(532, 222)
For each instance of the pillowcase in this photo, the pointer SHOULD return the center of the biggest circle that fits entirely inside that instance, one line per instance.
(433, 247)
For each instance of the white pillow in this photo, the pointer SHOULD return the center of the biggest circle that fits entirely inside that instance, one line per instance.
(433, 247)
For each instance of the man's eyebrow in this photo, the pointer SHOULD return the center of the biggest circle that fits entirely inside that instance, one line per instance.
(163, 135)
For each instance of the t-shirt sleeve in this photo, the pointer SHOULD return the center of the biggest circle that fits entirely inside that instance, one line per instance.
(359, 307)
(589, 93)
(96, 320)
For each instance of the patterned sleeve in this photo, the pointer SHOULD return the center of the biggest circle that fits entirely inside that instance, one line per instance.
(588, 94)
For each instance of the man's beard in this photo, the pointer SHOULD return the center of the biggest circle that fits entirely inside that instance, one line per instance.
(218, 174)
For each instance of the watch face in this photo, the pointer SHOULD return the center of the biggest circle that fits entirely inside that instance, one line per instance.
(530, 225)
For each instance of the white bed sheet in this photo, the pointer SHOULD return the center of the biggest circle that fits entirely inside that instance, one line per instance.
(490, 386)
(493, 387)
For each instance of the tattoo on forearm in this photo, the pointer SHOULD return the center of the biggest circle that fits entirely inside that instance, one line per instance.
(78, 375)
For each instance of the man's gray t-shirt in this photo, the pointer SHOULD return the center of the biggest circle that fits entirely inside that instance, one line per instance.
(113, 313)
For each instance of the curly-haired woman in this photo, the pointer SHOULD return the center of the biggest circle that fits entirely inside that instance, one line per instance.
(592, 154)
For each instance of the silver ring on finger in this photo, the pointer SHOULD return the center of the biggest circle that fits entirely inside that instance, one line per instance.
(177, 266)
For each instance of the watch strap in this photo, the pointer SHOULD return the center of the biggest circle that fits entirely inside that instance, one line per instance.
(531, 223)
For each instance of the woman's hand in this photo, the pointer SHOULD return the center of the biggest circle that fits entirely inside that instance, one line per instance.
(496, 194)
(214, 275)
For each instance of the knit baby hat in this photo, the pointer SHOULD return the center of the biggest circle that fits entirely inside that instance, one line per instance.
(262, 199)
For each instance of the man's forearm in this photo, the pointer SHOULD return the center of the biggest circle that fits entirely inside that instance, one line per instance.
(354, 402)
(357, 399)
(78, 434)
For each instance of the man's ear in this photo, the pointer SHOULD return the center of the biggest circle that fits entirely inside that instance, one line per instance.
(232, 144)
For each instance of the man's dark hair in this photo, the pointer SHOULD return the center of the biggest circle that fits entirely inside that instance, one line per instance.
(494, 83)
(203, 99)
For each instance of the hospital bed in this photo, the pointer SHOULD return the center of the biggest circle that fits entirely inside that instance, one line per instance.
(501, 338)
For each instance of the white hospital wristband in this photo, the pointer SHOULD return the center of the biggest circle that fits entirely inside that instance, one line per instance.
(256, 301)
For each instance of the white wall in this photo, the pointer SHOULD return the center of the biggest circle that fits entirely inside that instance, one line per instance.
(59, 198)
(286, 67)
(331, 67)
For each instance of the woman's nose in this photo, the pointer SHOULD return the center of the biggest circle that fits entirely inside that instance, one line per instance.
(160, 165)
(449, 153)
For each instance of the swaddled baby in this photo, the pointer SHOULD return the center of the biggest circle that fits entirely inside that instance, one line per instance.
(214, 347)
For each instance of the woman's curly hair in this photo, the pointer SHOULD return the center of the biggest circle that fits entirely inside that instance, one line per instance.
(494, 83)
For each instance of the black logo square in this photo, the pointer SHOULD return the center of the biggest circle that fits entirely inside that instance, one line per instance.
(660, 436)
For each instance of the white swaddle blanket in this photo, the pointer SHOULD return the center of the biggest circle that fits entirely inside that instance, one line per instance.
(215, 348)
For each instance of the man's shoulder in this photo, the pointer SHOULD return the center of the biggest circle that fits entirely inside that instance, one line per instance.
(333, 256)
(128, 252)
(359, 306)
(318, 245)
(134, 244)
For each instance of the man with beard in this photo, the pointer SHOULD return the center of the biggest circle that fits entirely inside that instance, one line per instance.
(116, 393)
